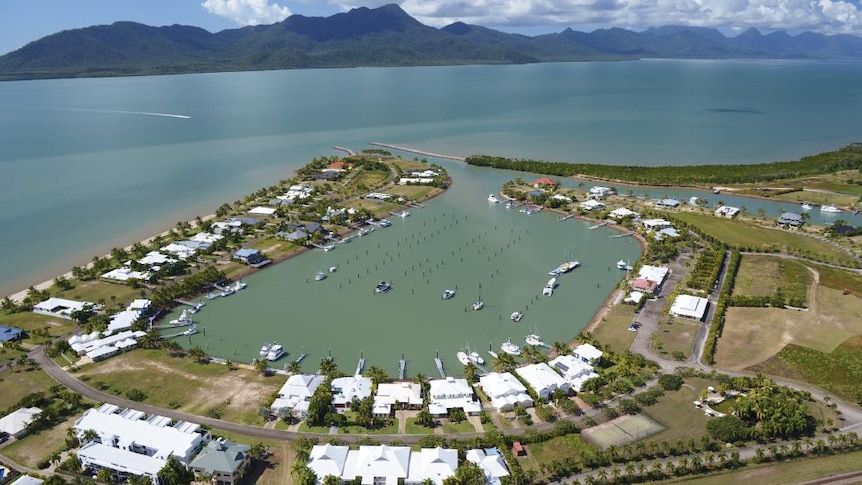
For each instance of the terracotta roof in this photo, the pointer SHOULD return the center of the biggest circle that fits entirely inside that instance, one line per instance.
(545, 181)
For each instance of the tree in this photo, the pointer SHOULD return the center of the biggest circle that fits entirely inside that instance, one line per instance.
(198, 354)
(261, 366)
(139, 480)
(468, 473)
(560, 348)
(504, 362)
(175, 473)
(89, 436)
(294, 367)
(377, 375)
(105, 475)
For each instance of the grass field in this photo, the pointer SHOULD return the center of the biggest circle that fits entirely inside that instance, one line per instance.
(555, 449)
(614, 329)
(18, 384)
(752, 335)
(412, 192)
(34, 448)
(207, 389)
(101, 292)
(412, 428)
(839, 279)
(462, 427)
(676, 335)
(678, 415)
(758, 275)
(739, 233)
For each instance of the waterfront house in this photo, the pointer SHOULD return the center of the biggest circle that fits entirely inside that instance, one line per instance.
(668, 203)
(574, 370)
(505, 391)
(98, 347)
(655, 224)
(140, 305)
(562, 198)
(414, 181)
(452, 393)
(622, 213)
(667, 232)
(588, 353)
(634, 297)
(425, 174)
(790, 219)
(491, 461)
(545, 182)
(130, 442)
(592, 204)
(378, 196)
(63, 308)
(23, 480)
(154, 260)
(327, 175)
(327, 460)
(398, 395)
(346, 389)
(223, 461)
(179, 250)
(650, 279)
(125, 274)
(296, 393)
(726, 211)
(15, 423)
(543, 379)
(122, 320)
(598, 192)
(249, 256)
(689, 306)
(298, 236)
(10, 334)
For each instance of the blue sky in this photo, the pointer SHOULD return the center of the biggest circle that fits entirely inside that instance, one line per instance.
(22, 21)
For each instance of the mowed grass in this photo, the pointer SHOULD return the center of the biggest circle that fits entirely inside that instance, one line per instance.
(462, 427)
(839, 371)
(752, 335)
(412, 428)
(412, 192)
(15, 385)
(747, 235)
(676, 335)
(614, 329)
(678, 415)
(758, 275)
(838, 279)
(560, 448)
(34, 448)
(29, 321)
(98, 291)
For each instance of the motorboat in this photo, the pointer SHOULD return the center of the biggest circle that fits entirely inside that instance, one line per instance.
(333, 269)
(477, 305)
(447, 294)
(320, 276)
(491, 351)
(403, 214)
(516, 316)
(197, 307)
(623, 265)
(227, 291)
(534, 339)
(493, 199)
(476, 358)
(183, 319)
(264, 350)
(510, 348)
(329, 247)
(239, 285)
(384, 223)
(382, 287)
(213, 296)
(532, 211)
(806, 206)
(548, 290)
(509, 205)
(463, 358)
(191, 330)
(366, 230)
(830, 208)
(275, 352)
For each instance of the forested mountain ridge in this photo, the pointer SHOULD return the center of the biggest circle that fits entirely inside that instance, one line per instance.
(385, 36)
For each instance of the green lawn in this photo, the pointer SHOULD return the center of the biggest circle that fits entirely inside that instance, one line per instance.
(30, 321)
(462, 427)
(391, 429)
(559, 448)
(305, 428)
(614, 329)
(785, 472)
(678, 415)
(412, 428)
(98, 291)
(34, 448)
(16, 385)
(839, 279)
(676, 335)
(758, 275)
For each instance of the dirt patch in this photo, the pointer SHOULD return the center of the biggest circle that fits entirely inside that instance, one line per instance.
(752, 335)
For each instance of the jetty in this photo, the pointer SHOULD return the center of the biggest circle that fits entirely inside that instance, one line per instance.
(360, 365)
(402, 366)
(598, 225)
(439, 364)
(325, 248)
(418, 152)
(627, 234)
(565, 218)
(348, 151)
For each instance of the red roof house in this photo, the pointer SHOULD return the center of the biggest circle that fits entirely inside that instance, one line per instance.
(544, 182)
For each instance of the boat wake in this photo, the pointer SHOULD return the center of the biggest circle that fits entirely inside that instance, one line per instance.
(139, 113)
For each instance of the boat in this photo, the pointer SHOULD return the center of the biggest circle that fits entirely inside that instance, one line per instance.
(510, 348)
(366, 230)
(830, 208)
(384, 223)
(275, 352)
(333, 269)
(462, 358)
(564, 268)
(534, 339)
(212, 296)
(320, 276)
(197, 307)
(191, 330)
(329, 247)
(447, 294)
(806, 206)
(491, 351)
(623, 265)
(403, 214)
(548, 290)
(264, 350)
(382, 287)
(516, 316)
(475, 358)
(183, 319)
(716, 190)
(493, 199)
(238, 285)
(530, 212)
(509, 205)
(227, 291)
(477, 305)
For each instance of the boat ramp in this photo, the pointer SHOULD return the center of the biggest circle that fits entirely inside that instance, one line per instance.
(439, 364)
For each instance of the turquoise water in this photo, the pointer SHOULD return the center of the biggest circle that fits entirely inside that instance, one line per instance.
(89, 164)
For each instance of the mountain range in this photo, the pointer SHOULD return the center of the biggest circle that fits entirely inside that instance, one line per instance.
(384, 36)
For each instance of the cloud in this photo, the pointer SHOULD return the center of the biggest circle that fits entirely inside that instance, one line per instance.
(247, 12)
(826, 16)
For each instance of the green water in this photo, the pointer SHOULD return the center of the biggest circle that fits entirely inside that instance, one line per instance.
(457, 241)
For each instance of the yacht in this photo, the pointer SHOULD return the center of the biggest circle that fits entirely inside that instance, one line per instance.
(510, 348)
(191, 330)
(447, 294)
(403, 214)
(462, 358)
(333, 269)
(493, 199)
(517, 316)
(239, 285)
(197, 307)
(548, 290)
(532, 211)
(227, 291)
(275, 352)
(623, 265)
(476, 358)
(830, 208)
(477, 305)
(384, 223)
(806, 206)
(264, 350)
(382, 287)
(320, 276)
(182, 319)
(534, 339)
(366, 230)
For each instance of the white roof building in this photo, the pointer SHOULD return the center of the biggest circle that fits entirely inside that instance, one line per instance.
(598, 192)
(452, 393)
(97, 347)
(155, 258)
(574, 370)
(634, 297)
(505, 391)
(667, 232)
(562, 197)
(125, 274)
(179, 250)
(435, 464)
(726, 211)
(491, 462)
(131, 442)
(62, 308)
(656, 274)
(425, 173)
(591, 204)
(345, 389)
(207, 237)
(689, 306)
(15, 423)
(655, 224)
(123, 320)
(141, 305)
(296, 393)
(622, 212)
(587, 353)
(325, 460)
(264, 211)
(398, 394)
(542, 379)
(26, 480)
(414, 180)
(378, 465)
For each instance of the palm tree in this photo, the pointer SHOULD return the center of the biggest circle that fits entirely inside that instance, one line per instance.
(377, 375)
(294, 367)
(89, 435)
(504, 362)
(532, 354)
(470, 373)
(328, 366)
(261, 366)
(560, 348)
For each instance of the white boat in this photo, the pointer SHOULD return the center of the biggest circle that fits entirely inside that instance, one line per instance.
(548, 290)
(382, 287)
(333, 269)
(510, 348)
(534, 339)
(532, 211)
(320, 276)
(623, 265)
(403, 214)
(462, 358)
(264, 350)
(239, 285)
(183, 319)
(275, 352)
(476, 358)
(366, 230)
(196, 307)
(384, 223)
(329, 247)
(191, 330)
(227, 291)
(509, 205)
(493, 199)
(806, 206)
(516, 316)
(829, 208)
(212, 296)
(491, 351)
(477, 305)
(564, 268)
(447, 294)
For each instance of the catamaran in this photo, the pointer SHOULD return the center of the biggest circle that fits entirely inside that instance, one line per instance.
(183, 319)
(275, 352)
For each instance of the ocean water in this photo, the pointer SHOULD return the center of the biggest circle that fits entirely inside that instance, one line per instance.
(89, 164)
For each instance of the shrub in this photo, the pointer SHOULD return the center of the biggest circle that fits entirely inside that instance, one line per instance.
(670, 382)
(136, 395)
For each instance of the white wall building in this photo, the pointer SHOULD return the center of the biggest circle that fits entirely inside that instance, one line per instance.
(587, 353)
(15, 423)
(689, 306)
(63, 308)
(296, 393)
(491, 462)
(399, 395)
(592, 204)
(622, 212)
(655, 224)
(542, 379)
(574, 370)
(599, 192)
(505, 391)
(383, 465)
(345, 389)
(726, 211)
(125, 273)
(451, 393)
(97, 347)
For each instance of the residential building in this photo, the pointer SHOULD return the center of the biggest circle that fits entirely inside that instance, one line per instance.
(15, 423)
(667, 203)
(726, 211)
(154, 260)
(414, 181)
(622, 213)
(655, 224)
(547, 182)
(689, 306)
(563, 198)
(346, 389)
(587, 353)
(434, 464)
(141, 305)
(179, 250)
(634, 297)
(505, 391)
(425, 174)
(383, 465)
(598, 192)
(63, 308)
(378, 465)
(249, 256)
(98, 347)
(574, 370)
(9, 334)
(791, 219)
(491, 461)
(592, 204)
(123, 320)
(399, 395)
(125, 273)
(452, 393)
(223, 461)
(25, 480)
(650, 279)
(262, 211)
(544, 380)
(327, 460)
(296, 393)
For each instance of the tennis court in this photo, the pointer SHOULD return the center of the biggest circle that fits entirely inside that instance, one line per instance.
(622, 430)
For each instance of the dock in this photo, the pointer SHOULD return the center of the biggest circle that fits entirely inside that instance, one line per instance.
(402, 366)
(348, 151)
(601, 224)
(418, 152)
(325, 248)
(623, 235)
(565, 218)
(439, 364)
(299, 358)
(360, 365)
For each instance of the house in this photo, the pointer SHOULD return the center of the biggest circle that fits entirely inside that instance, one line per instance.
(518, 449)
(155, 259)
(222, 460)
(491, 461)
(296, 393)
(195, 245)
(327, 460)
(414, 181)
(297, 192)
(122, 320)
(399, 395)
(378, 196)
(452, 393)
(547, 182)
(689, 306)
(124, 274)
(338, 165)
(790, 219)
(562, 198)
(130, 442)
(726, 211)
(650, 279)
(97, 347)
(24, 480)
(346, 389)
(15, 423)
(63, 308)
(326, 175)
(634, 297)
(505, 391)
(9, 334)
(378, 465)
(591, 204)
(598, 192)
(425, 174)
(249, 256)
(383, 464)
(655, 224)
(668, 203)
(434, 464)
(622, 213)
(574, 370)
(667, 232)
(543, 379)
(587, 353)
(179, 250)
(140, 305)
(298, 236)
(207, 237)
